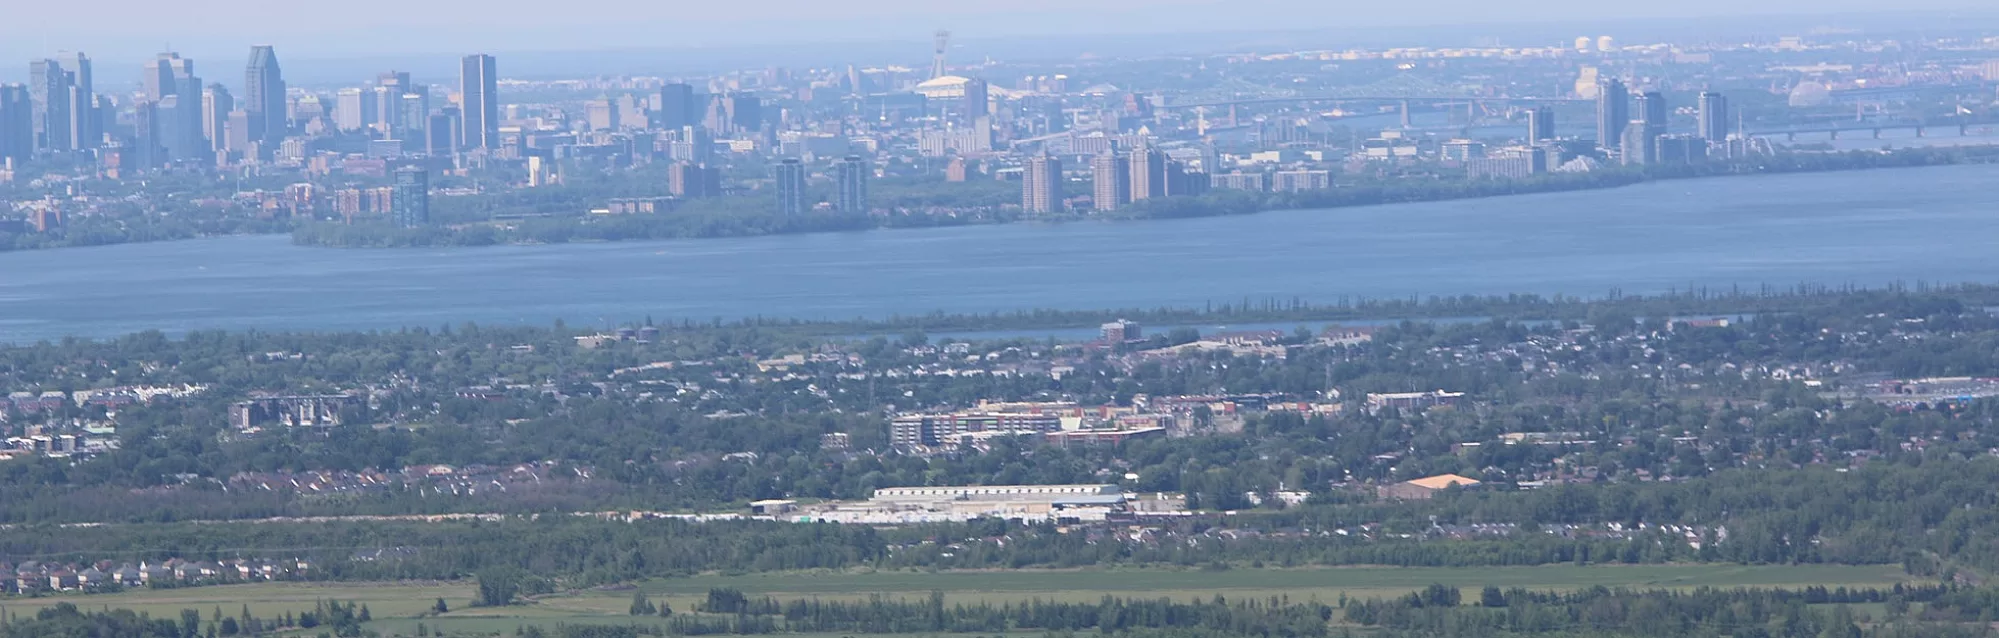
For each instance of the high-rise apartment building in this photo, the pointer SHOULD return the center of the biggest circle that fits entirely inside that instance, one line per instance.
(790, 175)
(1679, 149)
(1653, 112)
(1110, 180)
(410, 202)
(1713, 116)
(264, 95)
(1148, 173)
(632, 113)
(1540, 124)
(688, 180)
(601, 114)
(851, 175)
(479, 102)
(1613, 112)
(1639, 146)
(1041, 185)
(1182, 180)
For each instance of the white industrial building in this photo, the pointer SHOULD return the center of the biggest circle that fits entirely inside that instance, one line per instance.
(962, 503)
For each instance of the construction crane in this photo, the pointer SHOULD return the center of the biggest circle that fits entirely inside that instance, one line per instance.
(937, 63)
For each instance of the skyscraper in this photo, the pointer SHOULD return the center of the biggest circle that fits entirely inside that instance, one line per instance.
(163, 74)
(1652, 110)
(216, 104)
(242, 135)
(1713, 116)
(746, 112)
(677, 107)
(978, 100)
(49, 91)
(180, 129)
(80, 111)
(700, 144)
(852, 174)
(445, 128)
(86, 129)
(382, 109)
(790, 187)
(1041, 185)
(354, 109)
(78, 66)
(264, 95)
(479, 102)
(1613, 112)
(17, 123)
(414, 116)
(175, 91)
(409, 197)
(1110, 180)
(1540, 124)
(145, 148)
(389, 90)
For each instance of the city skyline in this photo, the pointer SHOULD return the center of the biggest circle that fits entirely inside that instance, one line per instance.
(336, 37)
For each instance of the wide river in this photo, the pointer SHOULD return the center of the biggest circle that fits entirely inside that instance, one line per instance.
(1869, 228)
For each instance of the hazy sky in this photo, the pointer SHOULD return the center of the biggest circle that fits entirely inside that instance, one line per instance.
(132, 29)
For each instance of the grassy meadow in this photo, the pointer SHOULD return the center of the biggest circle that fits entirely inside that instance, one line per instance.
(399, 608)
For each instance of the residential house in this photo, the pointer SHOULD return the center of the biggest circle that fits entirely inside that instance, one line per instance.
(156, 575)
(91, 577)
(63, 580)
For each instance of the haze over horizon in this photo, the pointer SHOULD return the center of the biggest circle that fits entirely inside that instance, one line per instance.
(126, 29)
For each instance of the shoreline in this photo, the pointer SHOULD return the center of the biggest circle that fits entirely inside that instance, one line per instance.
(1362, 312)
(1214, 204)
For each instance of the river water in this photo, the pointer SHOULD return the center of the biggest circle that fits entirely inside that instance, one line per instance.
(1872, 227)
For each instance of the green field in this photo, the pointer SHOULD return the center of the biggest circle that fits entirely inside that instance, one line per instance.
(399, 607)
(384, 600)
